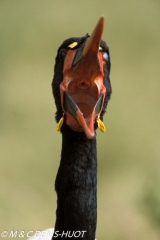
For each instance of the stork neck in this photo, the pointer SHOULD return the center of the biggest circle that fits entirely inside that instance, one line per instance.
(76, 185)
(76, 146)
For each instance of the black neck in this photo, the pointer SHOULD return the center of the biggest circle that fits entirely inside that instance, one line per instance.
(75, 185)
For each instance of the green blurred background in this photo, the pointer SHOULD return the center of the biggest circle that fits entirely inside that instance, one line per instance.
(128, 154)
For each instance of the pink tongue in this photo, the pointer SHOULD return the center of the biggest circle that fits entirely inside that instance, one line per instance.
(87, 127)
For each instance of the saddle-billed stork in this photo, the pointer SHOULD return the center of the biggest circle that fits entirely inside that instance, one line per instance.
(81, 89)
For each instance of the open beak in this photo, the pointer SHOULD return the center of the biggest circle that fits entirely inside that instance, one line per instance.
(82, 89)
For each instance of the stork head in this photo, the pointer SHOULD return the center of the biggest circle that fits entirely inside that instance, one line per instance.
(81, 84)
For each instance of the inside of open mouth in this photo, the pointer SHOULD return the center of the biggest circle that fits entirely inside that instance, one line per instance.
(84, 95)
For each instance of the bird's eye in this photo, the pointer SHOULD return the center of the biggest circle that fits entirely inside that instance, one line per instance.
(105, 57)
(104, 54)
(62, 55)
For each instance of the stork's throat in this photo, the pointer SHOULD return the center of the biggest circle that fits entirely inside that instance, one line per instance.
(81, 110)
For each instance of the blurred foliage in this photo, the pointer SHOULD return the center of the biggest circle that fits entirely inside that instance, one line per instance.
(150, 200)
(128, 154)
(152, 203)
